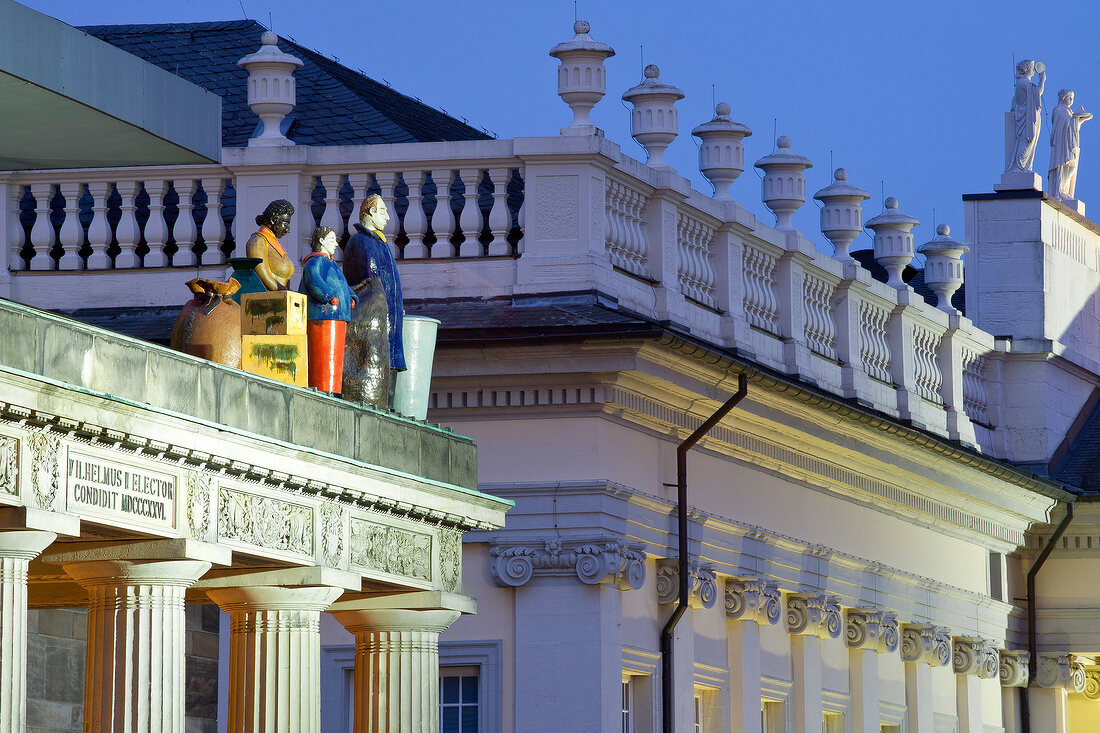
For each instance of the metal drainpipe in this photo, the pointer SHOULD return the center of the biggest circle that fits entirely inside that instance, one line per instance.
(682, 524)
(1032, 660)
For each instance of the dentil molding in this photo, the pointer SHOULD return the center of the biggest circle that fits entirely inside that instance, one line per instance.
(926, 643)
(868, 628)
(702, 584)
(814, 614)
(753, 599)
(596, 560)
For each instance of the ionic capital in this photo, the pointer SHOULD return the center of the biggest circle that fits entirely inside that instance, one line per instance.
(1014, 671)
(814, 614)
(593, 560)
(868, 628)
(926, 643)
(1092, 683)
(702, 583)
(1061, 670)
(974, 655)
(753, 599)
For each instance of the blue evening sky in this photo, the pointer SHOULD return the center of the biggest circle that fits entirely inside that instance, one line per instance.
(906, 95)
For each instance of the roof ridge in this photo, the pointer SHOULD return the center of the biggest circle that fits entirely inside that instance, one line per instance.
(176, 27)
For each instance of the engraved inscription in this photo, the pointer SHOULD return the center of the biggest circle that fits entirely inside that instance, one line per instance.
(101, 487)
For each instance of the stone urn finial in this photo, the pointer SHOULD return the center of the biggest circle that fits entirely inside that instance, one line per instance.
(582, 80)
(721, 156)
(784, 185)
(841, 213)
(943, 267)
(654, 123)
(271, 89)
(893, 241)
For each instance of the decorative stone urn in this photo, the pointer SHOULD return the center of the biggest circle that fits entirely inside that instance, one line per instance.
(721, 156)
(582, 80)
(943, 268)
(271, 89)
(784, 186)
(893, 241)
(654, 123)
(841, 213)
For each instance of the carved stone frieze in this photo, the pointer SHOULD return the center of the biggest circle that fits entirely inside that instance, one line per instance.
(450, 559)
(199, 499)
(1092, 683)
(702, 586)
(1061, 670)
(974, 655)
(596, 560)
(868, 628)
(45, 468)
(390, 549)
(1014, 671)
(753, 599)
(9, 465)
(815, 614)
(926, 643)
(265, 521)
(332, 533)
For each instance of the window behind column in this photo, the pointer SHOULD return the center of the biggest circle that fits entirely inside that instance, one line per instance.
(459, 700)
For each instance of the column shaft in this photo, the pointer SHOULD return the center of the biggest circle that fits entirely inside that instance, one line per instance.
(918, 697)
(743, 643)
(806, 659)
(863, 680)
(274, 656)
(17, 549)
(1048, 709)
(968, 703)
(135, 668)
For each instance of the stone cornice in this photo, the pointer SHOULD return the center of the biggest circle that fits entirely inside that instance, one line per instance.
(1061, 670)
(813, 614)
(926, 643)
(1014, 668)
(753, 599)
(868, 628)
(593, 560)
(976, 656)
(702, 586)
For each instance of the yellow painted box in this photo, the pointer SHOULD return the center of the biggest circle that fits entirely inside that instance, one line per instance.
(281, 313)
(277, 357)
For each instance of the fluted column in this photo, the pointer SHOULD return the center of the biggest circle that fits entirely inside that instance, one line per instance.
(396, 667)
(17, 549)
(750, 603)
(274, 656)
(923, 646)
(134, 671)
(810, 618)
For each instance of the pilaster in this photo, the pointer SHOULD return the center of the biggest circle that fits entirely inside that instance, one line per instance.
(923, 646)
(17, 549)
(810, 618)
(135, 671)
(1014, 674)
(397, 658)
(1056, 675)
(973, 659)
(274, 656)
(869, 632)
(750, 603)
(702, 585)
(593, 561)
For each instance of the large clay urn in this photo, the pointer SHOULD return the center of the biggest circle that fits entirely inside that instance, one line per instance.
(209, 325)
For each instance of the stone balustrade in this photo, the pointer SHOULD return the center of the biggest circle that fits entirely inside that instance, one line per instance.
(520, 217)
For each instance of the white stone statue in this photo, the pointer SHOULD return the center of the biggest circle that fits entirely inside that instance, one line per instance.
(1065, 146)
(1026, 108)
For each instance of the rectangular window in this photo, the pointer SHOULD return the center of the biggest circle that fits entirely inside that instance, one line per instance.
(459, 700)
(996, 576)
(891, 729)
(773, 718)
(698, 714)
(832, 723)
(628, 706)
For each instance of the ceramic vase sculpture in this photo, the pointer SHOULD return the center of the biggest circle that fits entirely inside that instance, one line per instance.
(411, 387)
(244, 272)
(209, 325)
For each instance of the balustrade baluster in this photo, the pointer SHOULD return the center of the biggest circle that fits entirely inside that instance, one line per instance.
(470, 221)
(184, 230)
(387, 180)
(521, 216)
(331, 218)
(303, 219)
(416, 224)
(72, 234)
(156, 228)
(42, 231)
(16, 235)
(443, 219)
(99, 230)
(500, 220)
(126, 232)
(213, 226)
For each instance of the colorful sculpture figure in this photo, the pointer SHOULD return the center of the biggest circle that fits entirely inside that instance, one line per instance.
(367, 256)
(328, 311)
(277, 268)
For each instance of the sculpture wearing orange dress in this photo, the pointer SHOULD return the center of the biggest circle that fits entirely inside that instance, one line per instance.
(276, 267)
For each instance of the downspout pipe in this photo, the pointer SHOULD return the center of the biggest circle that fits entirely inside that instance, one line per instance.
(1032, 659)
(667, 725)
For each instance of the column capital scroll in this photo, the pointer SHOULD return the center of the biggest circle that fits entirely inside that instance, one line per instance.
(1061, 670)
(1014, 668)
(594, 560)
(869, 628)
(753, 599)
(1092, 682)
(926, 643)
(815, 614)
(974, 655)
(702, 585)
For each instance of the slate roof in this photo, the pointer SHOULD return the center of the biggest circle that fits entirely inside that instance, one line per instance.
(335, 105)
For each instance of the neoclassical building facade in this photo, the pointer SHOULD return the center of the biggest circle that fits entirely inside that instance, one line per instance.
(890, 531)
